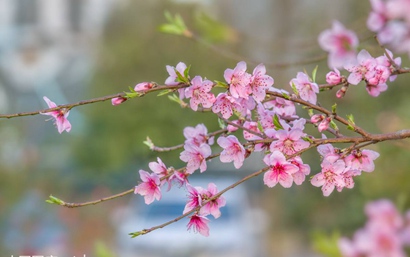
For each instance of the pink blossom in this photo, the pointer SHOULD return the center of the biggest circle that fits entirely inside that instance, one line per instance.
(362, 160)
(265, 117)
(348, 179)
(253, 126)
(304, 170)
(377, 17)
(149, 188)
(180, 177)
(199, 92)
(118, 100)
(195, 156)
(381, 236)
(324, 124)
(212, 207)
(317, 118)
(384, 213)
(328, 152)
(340, 43)
(238, 81)
(289, 142)
(260, 83)
(194, 198)
(60, 116)
(330, 176)
(333, 77)
(144, 86)
(199, 224)
(197, 135)
(160, 169)
(307, 90)
(280, 170)
(233, 150)
(232, 128)
(224, 104)
(172, 79)
(282, 107)
(365, 63)
(243, 106)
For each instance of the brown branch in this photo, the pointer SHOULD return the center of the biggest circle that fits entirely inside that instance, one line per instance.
(89, 101)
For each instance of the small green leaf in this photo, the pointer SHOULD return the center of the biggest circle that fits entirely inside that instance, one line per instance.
(186, 71)
(176, 99)
(334, 108)
(350, 120)
(276, 122)
(181, 78)
(55, 200)
(310, 112)
(174, 26)
(132, 94)
(307, 139)
(220, 84)
(314, 73)
(138, 233)
(164, 92)
(149, 143)
(221, 123)
(260, 126)
(333, 125)
(286, 96)
(294, 89)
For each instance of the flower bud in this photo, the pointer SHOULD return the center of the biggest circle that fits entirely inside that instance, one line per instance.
(118, 100)
(317, 118)
(333, 77)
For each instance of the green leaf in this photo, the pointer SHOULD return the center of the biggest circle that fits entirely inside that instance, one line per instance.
(186, 72)
(334, 108)
(149, 143)
(174, 26)
(294, 89)
(138, 233)
(164, 92)
(307, 139)
(333, 125)
(310, 112)
(55, 200)
(181, 78)
(286, 96)
(314, 73)
(221, 123)
(260, 126)
(350, 120)
(220, 84)
(132, 94)
(276, 122)
(176, 99)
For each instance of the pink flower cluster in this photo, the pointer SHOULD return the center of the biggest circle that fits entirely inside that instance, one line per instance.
(338, 170)
(386, 233)
(196, 198)
(390, 19)
(341, 44)
(374, 71)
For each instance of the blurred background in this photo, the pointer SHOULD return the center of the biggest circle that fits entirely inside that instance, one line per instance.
(71, 50)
